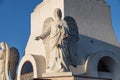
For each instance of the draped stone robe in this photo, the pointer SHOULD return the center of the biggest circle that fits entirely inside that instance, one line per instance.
(58, 54)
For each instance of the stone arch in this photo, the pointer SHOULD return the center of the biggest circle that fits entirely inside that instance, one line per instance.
(27, 68)
(112, 63)
(36, 63)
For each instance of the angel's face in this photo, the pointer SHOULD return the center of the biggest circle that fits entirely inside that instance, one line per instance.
(58, 13)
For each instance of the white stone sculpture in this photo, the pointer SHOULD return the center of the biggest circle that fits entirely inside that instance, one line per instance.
(4, 56)
(7, 61)
(58, 32)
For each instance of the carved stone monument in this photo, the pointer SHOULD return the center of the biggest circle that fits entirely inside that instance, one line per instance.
(58, 34)
(71, 40)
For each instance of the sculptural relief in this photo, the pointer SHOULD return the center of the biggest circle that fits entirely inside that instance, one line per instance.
(7, 61)
(55, 36)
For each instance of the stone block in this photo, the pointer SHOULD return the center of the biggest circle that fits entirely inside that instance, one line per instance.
(60, 74)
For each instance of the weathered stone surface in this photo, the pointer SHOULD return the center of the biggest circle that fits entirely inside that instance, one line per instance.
(27, 76)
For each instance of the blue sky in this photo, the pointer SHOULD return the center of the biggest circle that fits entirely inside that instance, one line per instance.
(15, 21)
(115, 12)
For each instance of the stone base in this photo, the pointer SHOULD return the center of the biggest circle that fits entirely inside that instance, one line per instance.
(66, 76)
(60, 74)
(71, 78)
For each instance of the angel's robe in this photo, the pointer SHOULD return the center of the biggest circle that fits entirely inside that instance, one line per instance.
(58, 50)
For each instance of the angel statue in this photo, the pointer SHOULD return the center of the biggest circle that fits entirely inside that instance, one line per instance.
(9, 58)
(55, 37)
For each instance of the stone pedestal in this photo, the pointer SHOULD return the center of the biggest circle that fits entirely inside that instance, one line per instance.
(60, 74)
(66, 76)
(71, 78)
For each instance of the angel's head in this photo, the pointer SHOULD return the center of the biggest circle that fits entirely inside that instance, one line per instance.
(58, 13)
(2, 45)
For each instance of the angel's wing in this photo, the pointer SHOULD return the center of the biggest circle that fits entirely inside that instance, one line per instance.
(74, 34)
(7, 56)
(47, 22)
(14, 59)
(73, 38)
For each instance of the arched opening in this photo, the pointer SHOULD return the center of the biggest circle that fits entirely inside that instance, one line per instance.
(31, 66)
(27, 71)
(103, 64)
(106, 67)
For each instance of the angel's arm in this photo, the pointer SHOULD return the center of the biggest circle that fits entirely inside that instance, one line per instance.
(44, 34)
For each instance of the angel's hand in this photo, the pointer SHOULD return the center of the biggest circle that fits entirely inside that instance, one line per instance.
(37, 38)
